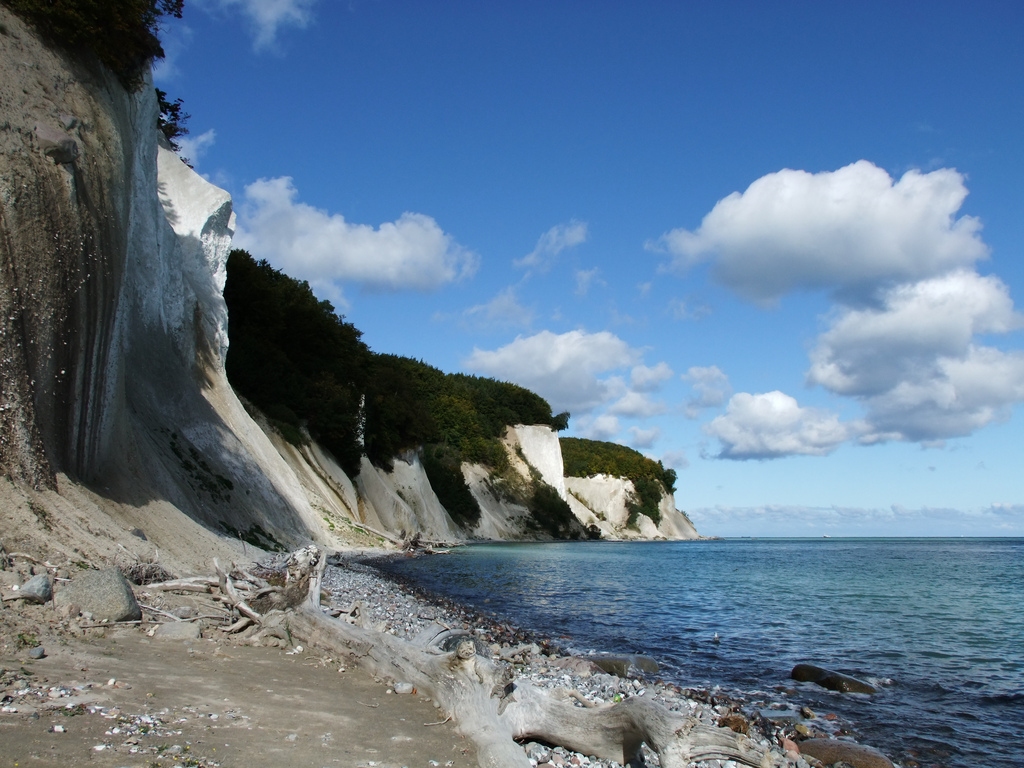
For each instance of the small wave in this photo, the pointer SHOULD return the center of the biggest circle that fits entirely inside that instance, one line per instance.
(999, 699)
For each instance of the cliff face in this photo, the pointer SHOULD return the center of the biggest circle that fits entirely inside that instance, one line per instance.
(112, 323)
(69, 170)
(113, 332)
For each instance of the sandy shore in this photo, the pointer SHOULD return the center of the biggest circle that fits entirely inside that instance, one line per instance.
(121, 697)
(206, 703)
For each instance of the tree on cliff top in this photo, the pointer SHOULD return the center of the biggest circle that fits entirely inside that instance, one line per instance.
(650, 478)
(120, 33)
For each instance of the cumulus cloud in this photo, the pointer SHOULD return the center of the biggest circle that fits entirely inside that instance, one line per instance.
(412, 253)
(192, 148)
(772, 425)
(649, 378)
(563, 368)
(914, 361)
(637, 405)
(503, 311)
(268, 17)
(557, 239)
(904, 337)
(850, 229)
(710, 387)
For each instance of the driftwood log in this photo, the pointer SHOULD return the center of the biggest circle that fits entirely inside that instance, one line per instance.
(492, 709)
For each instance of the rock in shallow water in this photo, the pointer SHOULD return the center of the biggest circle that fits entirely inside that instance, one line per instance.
(831, 751)
(826, 678)
(620, 665)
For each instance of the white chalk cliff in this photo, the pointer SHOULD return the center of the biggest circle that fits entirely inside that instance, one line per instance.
(113, 336)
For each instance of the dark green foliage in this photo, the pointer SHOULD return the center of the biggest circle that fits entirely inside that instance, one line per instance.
(172, 119)
(293, 357)
(560, 422)
(410, 403)
(120, 33)
(300, 364)
(444, 470)
(648, 496)
(585, 458)
(552, 514)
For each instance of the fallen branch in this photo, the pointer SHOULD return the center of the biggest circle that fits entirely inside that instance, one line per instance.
(157, 610)
(227, 587)
(23, 556)
(239, 625)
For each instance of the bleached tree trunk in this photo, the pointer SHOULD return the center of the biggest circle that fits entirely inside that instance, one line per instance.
(492, 710)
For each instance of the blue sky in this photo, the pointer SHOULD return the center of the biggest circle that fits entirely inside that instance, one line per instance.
(776, 245)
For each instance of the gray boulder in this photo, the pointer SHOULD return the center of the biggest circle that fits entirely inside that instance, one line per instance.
(107, 595)
(36, 590)
(61, 147)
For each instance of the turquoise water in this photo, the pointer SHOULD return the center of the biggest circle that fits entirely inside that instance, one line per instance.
(937, 623)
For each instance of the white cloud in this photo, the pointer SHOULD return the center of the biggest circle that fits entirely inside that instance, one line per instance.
(268, 17)
(773, 425)
(914, 363)
(311, 244)
(649, 379)
(603, 427)
(562, 368)
(192, 148)
(903, 337)
(711, 387)
(503, 311)
(585, 278)
(850, 229)
(637, 405)
(643, 438)
(553, 242)
(786, 520)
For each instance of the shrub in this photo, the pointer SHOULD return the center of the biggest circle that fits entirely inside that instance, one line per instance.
(120, 33)
(551, 513)
(444, 471)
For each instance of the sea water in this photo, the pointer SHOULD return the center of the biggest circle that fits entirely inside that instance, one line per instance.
(936, 624)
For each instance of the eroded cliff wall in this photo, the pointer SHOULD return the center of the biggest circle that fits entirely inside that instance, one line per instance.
(68, 169)
(115, 410)
(112, 322)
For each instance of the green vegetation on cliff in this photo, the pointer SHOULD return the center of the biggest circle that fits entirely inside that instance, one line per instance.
(303, 366)
(586, 458)
(120, 33)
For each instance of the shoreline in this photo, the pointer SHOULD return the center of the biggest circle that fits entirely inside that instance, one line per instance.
(41, 692)
(766, 718)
